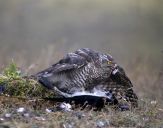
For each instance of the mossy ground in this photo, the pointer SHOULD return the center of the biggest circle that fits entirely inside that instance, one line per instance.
(15, 84)
(23, 92)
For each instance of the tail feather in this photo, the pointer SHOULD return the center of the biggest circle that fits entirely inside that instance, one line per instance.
(46, 83)
(132, 97)
(125, 84)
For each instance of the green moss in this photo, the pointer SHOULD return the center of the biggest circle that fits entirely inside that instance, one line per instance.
(16, 85)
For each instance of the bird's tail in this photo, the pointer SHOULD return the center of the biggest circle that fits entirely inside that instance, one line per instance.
(126, 85)
(131, 97)
(42, 80)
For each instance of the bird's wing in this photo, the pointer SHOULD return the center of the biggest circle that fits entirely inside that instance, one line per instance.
(89, 54)
(69, 62)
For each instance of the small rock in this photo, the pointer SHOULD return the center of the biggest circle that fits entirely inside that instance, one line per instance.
(20, 110)
(68, 125)
(146, 118)
(160, 109)
(26, 114)
(2, 119)
(40, 118)
(53, 109)
(102, 123)
(65, 107)
(7, 115)
(153, 102)
(48, 110)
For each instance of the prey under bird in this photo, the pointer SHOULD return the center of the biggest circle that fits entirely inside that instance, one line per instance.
(88, 72)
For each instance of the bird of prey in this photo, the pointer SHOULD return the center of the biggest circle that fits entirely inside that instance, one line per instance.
(88, 72)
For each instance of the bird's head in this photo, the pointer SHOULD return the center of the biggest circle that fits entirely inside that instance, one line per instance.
(107, 61)
(107, 64)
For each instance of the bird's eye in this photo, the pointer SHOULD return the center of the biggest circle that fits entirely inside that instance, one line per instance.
(109, 62)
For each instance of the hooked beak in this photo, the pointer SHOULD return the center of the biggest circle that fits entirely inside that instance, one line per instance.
(114, 68)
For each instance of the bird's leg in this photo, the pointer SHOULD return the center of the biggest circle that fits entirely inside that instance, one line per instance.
(62, 93)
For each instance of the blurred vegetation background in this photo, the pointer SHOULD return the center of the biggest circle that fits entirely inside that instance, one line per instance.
(37, 33)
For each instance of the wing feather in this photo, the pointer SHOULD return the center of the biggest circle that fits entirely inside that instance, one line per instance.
(69, 62)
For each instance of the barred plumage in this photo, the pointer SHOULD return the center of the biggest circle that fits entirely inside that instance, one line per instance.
(87, 70)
